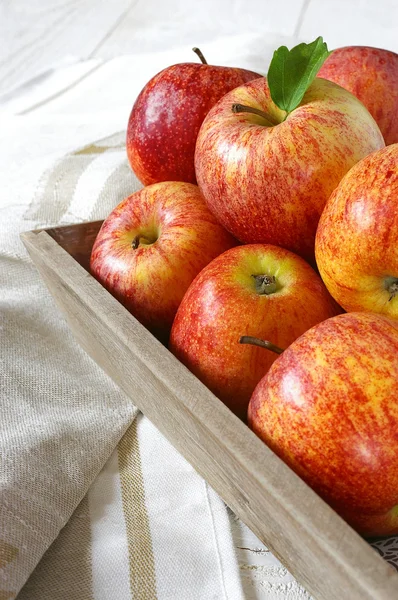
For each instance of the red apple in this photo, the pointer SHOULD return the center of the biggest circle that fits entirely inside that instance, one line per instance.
(328, 408)
(167, 115)
(267, 179)
(151, 247)
(249, 290)
(357, 238)
(371, 74)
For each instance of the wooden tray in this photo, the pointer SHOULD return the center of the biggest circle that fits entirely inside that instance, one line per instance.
(328, 557)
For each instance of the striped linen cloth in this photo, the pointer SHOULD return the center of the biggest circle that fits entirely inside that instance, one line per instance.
(149, 527)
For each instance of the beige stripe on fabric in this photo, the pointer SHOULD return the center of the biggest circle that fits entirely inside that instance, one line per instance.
(120, 184)
(58, 184)
(110, 142)
(7, 554)
(92, 149)
(65, 571)
(142, 565)
(56, 189)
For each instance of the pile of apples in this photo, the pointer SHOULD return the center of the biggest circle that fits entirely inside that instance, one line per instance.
(270, 209)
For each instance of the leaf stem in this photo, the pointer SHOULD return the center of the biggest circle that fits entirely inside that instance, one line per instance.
(242, 108)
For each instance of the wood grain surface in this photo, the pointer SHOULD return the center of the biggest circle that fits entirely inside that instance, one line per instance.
(315, 544)
(77, 240)
(38, 36)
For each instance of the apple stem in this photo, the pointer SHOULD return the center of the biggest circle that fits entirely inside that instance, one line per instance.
(393, 290)
(200, 54)
(242, 108)
(136, 242)
(248, 339)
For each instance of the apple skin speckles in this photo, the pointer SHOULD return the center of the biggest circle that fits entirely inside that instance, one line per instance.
(221, 305)
(328, 408)
(166, 117)
(177, 237)
(356, 243)
(270, 184)
(371, 74)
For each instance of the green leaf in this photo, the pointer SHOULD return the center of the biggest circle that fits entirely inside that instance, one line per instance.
(291, 72)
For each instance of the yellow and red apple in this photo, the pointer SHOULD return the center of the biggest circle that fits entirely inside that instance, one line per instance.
(371, 74)
(328, 408)
(357, 238)
(249, 290)
(267, 177)
(151, 247)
